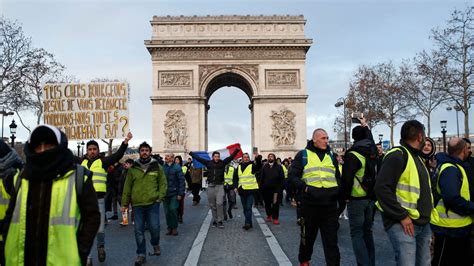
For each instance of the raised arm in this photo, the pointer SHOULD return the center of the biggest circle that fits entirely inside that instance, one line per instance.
(115, 157)
(199, 159)
(231, 157)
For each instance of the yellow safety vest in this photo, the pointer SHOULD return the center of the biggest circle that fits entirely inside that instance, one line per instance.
(285, 171)
(229, 176)
(184, 169)
(317, 173)
(99, 175)
(357, 190)
(247, 180)
(408, 187)
(64, 217)
(5, 199)
(450, 219)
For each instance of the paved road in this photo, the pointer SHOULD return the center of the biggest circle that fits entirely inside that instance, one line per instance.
(232, 245)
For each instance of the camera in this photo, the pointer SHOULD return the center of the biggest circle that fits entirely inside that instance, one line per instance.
(356, 119)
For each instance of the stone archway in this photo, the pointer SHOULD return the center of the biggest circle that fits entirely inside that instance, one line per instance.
(264, 56)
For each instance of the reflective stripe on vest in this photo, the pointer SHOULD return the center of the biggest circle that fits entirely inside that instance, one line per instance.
(247, 180)
(229, 176)
(317, 173)
(448, 218)
(64, 216)
(357, 190)
(99, 175)
(408, 187)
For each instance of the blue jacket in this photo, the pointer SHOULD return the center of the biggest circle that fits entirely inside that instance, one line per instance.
(450, 182)
(175, 178)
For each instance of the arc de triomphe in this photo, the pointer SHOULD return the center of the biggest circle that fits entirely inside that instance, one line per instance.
(193, 57)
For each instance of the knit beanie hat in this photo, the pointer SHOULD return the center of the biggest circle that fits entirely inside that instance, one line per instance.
(4, 149)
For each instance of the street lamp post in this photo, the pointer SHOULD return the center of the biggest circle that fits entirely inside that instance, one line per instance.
(457, 108)
(443, 131)
(13, 127)
(380, 138)
(5, 113)
(82, 148)
(78, 148)
(342, 101)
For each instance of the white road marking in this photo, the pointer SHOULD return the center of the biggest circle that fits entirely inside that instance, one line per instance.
(195, 252)
(280, 256)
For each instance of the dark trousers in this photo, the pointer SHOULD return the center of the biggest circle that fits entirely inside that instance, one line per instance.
(272, 200)
(247, 202)
(181, 207)
(258, 198)
(451, 250)
(326, 219)
(196, 188)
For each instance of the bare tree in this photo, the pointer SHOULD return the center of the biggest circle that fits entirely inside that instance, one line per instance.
(38, 68)
(425, 79)
(456, 44)
(14, 48)
(364, 96)
(395, 100)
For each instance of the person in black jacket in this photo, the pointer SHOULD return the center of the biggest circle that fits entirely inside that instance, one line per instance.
(215, 179)
(272, 182)
(246, 190)
(320, 198)
(360, 205)
(47, 160)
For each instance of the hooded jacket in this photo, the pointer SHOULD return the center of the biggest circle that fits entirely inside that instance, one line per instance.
(41, 169)
(450, 181)
(175, 179)
(314, 196)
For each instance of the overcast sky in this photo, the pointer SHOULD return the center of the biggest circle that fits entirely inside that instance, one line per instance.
(105, 39)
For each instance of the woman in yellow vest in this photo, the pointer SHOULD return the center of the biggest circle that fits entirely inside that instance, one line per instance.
(50, 206)
(246, 185)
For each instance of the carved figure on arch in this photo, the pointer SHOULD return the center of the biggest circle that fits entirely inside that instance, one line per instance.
(283, 129)
(175, 129)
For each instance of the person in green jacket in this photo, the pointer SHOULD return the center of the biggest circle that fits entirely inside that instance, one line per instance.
(145, 187)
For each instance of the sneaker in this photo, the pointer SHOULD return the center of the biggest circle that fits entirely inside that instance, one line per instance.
(247, 226)
(156, 250)
(269, 219)
(276, 222)
(214, 224)
(220, 225)
(89, 262)
(101, 253)
(140, 260)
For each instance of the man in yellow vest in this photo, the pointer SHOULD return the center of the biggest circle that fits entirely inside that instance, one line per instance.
(315, 173)
(404, 197)
(452, 220)
(55, 216)
(10, 165)
(98, 165)
(246, 185)
(359, 168)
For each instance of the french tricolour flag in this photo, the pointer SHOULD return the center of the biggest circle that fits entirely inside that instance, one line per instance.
(226, 152)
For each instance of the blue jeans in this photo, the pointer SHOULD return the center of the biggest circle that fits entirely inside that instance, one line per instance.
(150, 214)
(361, 219)
(247, 203)
(411, 251)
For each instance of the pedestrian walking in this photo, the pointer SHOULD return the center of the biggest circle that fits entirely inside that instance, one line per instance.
(272, 183)
(99, 164)
(145, 187)
(315, 173)
(179, 161)
(215, 179)
(175, 192)
(10, 166)
(358, 179)
(55, 215)
(229, 196)
(247, 185)
(452, 219)
(196, 185)
(404, 197)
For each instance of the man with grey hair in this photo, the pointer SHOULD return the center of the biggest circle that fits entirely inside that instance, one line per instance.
(174, 176)
(451, 222)
(315, 173)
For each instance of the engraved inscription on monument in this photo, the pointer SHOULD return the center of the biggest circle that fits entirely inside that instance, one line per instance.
(283, 129)
(175, 129)
(175, 79)
(282, 79)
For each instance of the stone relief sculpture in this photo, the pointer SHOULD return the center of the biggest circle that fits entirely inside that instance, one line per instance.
(175, 79)
(283, 129)
(175, 129)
